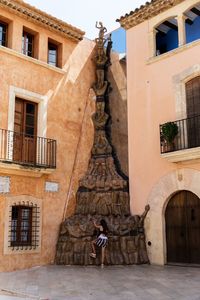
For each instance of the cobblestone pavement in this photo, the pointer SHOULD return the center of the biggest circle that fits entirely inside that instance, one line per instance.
(93, 283)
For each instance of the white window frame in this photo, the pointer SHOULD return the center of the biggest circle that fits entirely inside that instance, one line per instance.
(41, 100)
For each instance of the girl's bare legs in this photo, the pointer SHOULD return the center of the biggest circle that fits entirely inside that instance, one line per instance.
(93, 246)
(102, 255)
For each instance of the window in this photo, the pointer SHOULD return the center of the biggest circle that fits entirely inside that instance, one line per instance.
(25, 130)
(192, 24)
(24, 224)
(21, 226)
(52, 54)
(27, 44)
(3, 34)
(166, 36)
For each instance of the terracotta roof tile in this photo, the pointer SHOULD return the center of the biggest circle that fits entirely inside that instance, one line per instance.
(36, 15)
(146, 11)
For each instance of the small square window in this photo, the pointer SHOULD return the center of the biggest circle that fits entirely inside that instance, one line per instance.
(21, 226)
(24, 223)
(27, 44)
(52, 54)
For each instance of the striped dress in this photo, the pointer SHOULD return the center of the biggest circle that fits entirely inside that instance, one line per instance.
(102, 239)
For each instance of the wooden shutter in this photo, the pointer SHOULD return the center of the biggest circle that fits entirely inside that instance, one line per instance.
(193, 97)
(193, 112)
(25, 131)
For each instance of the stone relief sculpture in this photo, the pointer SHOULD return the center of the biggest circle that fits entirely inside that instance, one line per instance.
(103, 192)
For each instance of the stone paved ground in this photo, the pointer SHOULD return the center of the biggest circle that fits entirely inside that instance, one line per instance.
(93, 283)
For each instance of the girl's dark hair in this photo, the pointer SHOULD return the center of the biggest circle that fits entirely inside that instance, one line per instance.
(104, 225)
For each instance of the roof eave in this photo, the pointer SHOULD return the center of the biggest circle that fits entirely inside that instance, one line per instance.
(35, 15)
(145, 12)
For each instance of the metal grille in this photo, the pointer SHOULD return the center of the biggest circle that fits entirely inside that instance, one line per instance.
(188, 135)
(28, 150)
(24, 231)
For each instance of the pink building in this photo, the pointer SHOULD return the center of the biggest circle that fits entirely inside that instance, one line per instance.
(163, 72)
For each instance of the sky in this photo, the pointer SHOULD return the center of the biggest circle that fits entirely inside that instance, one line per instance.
(84, 13)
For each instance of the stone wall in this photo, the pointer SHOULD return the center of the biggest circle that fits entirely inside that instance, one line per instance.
(118, 110)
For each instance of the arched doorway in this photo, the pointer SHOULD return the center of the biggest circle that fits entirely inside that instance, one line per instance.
(182, 218)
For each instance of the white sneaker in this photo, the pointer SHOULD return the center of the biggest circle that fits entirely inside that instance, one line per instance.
(102, 266)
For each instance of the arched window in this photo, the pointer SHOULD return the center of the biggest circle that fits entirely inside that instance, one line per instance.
(166, 36)
(192, 23)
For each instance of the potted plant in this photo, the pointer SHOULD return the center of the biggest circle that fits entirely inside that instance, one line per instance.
(169, 132)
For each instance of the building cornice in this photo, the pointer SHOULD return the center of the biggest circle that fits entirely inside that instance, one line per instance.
(37, 16)
(145, 12)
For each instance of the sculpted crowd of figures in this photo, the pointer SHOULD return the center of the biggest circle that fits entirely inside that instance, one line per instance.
(103, 192)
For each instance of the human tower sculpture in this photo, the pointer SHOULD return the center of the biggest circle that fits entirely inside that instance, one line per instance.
(103, 192)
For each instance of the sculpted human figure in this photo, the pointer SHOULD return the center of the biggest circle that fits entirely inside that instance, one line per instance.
(102, 30)
(101, 58)
(100, 117)
(140, 238)
(101, 85)
(102, 192)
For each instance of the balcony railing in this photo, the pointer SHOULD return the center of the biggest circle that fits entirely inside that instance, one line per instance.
(188, 135)
(27, 150)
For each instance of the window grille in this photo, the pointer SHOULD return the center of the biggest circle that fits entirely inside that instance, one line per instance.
(24, 226)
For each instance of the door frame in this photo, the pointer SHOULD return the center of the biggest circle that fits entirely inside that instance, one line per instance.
(159, 195)
(42, 101)
(22, 136)
(188, 200)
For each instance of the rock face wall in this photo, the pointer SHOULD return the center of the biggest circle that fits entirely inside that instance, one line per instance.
(103, 191)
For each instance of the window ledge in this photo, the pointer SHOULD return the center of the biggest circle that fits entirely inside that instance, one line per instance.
(172, 52)
(20, 170)
(182, 155)
(31, 59)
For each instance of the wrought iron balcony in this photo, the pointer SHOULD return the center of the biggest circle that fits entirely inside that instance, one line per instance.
(188, 135)
(27, 150)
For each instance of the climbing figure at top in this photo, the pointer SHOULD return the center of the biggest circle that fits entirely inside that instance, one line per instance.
(102, 30)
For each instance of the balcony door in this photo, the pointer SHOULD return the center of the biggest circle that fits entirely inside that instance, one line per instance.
(193, 112)
(182, 218)
(25, 131)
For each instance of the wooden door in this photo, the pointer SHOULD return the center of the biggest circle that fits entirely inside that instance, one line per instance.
(183, 228)
(25, 128)
(193, 111)
(193, 227)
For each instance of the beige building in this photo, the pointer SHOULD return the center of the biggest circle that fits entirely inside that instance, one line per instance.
(46, 130)
(163, 72)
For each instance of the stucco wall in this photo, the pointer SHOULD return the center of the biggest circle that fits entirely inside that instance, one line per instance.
(156, 94)
(152, 100)
(69, 107)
